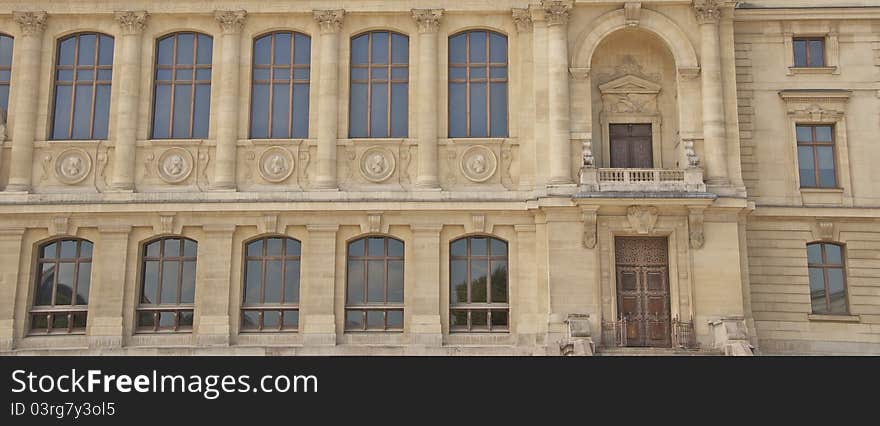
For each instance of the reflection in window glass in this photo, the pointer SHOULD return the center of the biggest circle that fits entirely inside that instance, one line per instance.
(374, 285)
(182, 97)
(478, 273)
(168, 285)
(271, 285)
(83, 72)
(280, 90)
(827, 278)
(477, 84)
(62, 281)
(379, 91)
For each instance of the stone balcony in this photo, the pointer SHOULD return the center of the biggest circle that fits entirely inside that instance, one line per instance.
(594, 179)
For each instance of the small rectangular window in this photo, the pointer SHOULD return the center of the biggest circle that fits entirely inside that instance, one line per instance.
(809, 52)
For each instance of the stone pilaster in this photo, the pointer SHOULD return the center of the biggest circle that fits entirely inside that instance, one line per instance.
(330, 22)
(106, 294)
(527, 278)
(425, 299)
(10, 252)
(231, 23)
(213, 281)
(319, 277)
(28, 51)
(557, 14)
(127, 86)
(714, 133)
(427, 101)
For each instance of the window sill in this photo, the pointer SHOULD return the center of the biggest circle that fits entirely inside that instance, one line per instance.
(834, 318)
(812, 70)
(821, 190)
(176, 142)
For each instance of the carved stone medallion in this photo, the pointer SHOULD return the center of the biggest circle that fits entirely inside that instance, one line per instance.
(478, 163)
(175, 165)
(72, 166)
(276, 164)
(377, 164)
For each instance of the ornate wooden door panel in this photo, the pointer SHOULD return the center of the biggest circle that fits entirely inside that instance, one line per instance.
(631, 146)
(643, 290)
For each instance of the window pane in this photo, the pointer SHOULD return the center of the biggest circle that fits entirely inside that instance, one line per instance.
(64, 289)
(499, 282)
(273, 282)
(457, 48)
(356, 248)
(105, 54)
(59, 321)
(478, 46)
(260, 111)
(44, 288)
(4, 97)
(292, 246)
(165, 51)
(379, 54)
(458, 281)
(497, 48)
(291, 319)
(253, 278)
(300, 111)
(833, 254)
(399, 49)
(375, 281)
(817, 290)
(395, 281)
(83, 282)
(302, 50)
(827, 176)
(355, 282)
(395, 248)
(166, 319)
(394, 319)
(185, 45)
(206, 44)
(145, 319)
(86, 55)
(376, 247)
(379, 110)
(800, 53)
(280, 112)
(358, 114)
(161, 111)
(182, 104)
(102, 111)
(202, 111)
(271, 319)
(49, 251)
(399, 110)
(273, 247)
(261, 50)
(354, 320)
(375, 320)
(479, 319)
(151, 282)
(817, 53)
(255, 248)
(79, 320)
(6, 51)
(172, 247)
(823, 133)
(188, 283)
(359, 49)
(61, 122)
(170, 283)
(498, 247)
(82, 113)
(459, 319)
(499, 319)
(85, 249)
(478, 281)
(837, 292)
(66, 51)
(39, 322)
(459, 248)
(499, 109)
(478, 111)
(814, 254)
(806, 166)
(250, 320)
(282, 48)
(185, 318)
(457, 110)
(68, 249)
(291, 281)
(479, 246)
(190, 248)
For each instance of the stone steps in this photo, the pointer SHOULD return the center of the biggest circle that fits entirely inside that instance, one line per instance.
(656, 352)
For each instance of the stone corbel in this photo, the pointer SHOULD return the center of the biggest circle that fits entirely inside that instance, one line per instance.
(590, 234)
(825, 230)
(60, 225)
(268, 224)
(642, 218)
(695, 227)
(478, 223)
(632, 11)
(165, 224)
(373, 225)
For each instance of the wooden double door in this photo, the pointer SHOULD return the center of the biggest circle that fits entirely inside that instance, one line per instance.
(643, 290)
(631, 146)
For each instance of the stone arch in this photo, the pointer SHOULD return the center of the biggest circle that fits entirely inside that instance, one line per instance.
(587, 41)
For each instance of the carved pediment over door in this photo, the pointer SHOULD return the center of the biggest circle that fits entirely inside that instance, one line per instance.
(630, 95)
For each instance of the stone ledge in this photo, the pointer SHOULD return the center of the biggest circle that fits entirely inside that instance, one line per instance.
(834, 318)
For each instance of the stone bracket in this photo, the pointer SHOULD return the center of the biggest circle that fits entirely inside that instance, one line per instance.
(590, 234)
(695, 227)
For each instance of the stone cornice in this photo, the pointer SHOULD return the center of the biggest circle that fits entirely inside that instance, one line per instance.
(428, 20)
(556, 12)
(522, 17)
(131, 22)
(31, 23)
(329, 20)
(231, 21)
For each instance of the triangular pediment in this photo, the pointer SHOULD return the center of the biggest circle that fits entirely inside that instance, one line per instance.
(630, 84)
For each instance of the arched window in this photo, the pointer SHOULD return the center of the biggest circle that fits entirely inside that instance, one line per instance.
(5, 72)
(83, 71)
(182, 98)
(280, 91)
(379, 95)
(827, 267)
(63, 277)
(271, 285)
(374, 285)
(477, 85)
(478, 285)
(168, 285)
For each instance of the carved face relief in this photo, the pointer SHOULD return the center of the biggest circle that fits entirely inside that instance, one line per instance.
(175, 165)
(276, 164)
(377, 164)
(72, 166)
(478, 163)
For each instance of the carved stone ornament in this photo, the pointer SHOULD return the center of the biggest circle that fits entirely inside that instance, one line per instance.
(522, 17)
(642, 218)
(231, 21)
(556, 12)
(330, 21)
(590, 235)
(478, 163)
(428, 20)
(377, 164)
(31, 23)
(630, 94)
(708, 11)
(695, 229)
(276, 164)
(824, 230)
(72, 166)
(132, 22)
(175, 165)
(478, 223)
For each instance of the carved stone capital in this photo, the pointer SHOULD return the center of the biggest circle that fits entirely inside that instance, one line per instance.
(428, 20)
(31, 23)
(330, 21)
(132, 22)
(556, 12)
(708, 11)
(231, 21)
(522, 17)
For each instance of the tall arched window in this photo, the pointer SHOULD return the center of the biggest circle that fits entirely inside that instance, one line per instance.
(478, 85)
(280, 91)
(379, 101)
(271, 285)
(83, 71)
(168, 285)
(63, 278)
(827, 267)
(5, 71)
(182, 97)
(478, 285)
(374, 285)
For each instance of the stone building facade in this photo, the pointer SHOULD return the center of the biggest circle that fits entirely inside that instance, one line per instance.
(439, 177)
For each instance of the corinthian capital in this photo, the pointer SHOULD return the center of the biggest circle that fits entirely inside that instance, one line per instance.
(523, 19)
(329, 20)
(556, 12)
(231, 21)
(427, 19)
(131, 22)
(708, 11)
(31, 23)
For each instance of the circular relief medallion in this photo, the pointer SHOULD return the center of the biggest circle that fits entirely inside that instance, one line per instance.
(72, 165)
(276, 164)
(478, 163)
(377, 164)
(175, 165)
